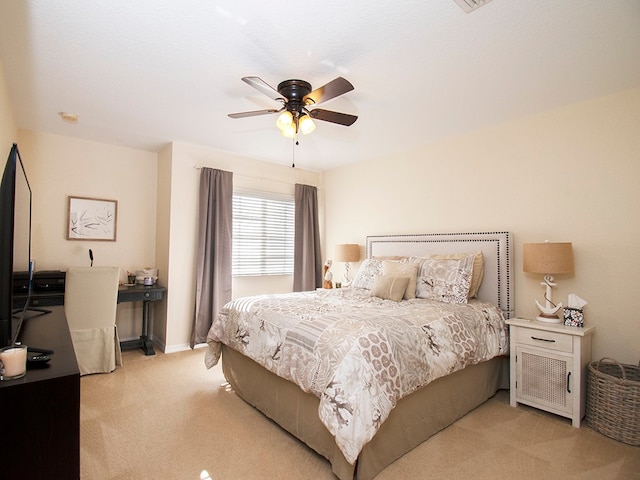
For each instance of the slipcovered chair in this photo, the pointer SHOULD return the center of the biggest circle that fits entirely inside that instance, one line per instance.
(90, 300)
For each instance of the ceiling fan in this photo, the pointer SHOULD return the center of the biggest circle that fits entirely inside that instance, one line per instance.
(297, 98)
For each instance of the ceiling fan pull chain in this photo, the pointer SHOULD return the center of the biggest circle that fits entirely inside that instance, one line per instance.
(293, 152)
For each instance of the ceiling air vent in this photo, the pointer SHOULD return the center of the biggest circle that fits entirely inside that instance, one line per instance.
(470, 5)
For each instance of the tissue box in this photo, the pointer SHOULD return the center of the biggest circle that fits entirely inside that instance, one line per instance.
(573, 317)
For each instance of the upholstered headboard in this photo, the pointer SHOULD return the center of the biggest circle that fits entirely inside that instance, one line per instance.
(497, 281)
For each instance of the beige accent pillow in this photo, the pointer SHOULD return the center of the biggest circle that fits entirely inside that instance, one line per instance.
(478, 267)
(389, 287)
(403, 269)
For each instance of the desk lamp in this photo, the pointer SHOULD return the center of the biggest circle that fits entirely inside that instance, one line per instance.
(548, 259)
(347, 252)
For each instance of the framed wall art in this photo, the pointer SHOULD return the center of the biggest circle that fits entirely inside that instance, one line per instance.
(92, 219)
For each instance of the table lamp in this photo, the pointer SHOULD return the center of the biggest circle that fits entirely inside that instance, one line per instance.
(347, 252)
(548, 259)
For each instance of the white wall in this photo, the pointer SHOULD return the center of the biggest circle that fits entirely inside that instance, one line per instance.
(60, 166)
(571, 174)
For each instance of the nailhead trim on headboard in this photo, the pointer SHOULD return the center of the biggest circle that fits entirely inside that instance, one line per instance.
(489, 242)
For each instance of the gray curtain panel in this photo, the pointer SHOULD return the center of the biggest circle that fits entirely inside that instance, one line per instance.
(213, 267)
(307, 266)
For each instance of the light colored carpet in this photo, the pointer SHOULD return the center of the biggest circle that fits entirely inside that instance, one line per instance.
(167, 417)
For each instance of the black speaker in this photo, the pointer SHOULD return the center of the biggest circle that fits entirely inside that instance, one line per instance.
(49, 281)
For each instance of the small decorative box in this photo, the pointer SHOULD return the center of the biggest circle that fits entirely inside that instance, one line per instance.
(573, 317)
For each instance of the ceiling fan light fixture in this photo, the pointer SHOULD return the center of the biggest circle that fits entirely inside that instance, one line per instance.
(289, 131)
(306, 125)
(295, 96)
(285, 120)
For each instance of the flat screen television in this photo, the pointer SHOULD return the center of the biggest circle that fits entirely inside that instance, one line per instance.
(15, 247)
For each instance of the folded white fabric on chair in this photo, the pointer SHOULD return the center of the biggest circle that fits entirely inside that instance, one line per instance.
(90, 301)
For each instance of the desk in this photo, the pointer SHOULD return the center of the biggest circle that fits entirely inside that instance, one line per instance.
(136, 293)
(146, 295)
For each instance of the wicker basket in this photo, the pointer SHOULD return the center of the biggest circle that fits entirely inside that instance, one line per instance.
(613, 400)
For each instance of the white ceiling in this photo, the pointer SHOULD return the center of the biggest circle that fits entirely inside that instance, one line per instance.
(146, 72)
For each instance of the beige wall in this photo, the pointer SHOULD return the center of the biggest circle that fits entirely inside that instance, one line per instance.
(157, 217)
(571, 174)
(179, 219)
(567, 175)
(60, 166)
(160, 319)
(8, 130)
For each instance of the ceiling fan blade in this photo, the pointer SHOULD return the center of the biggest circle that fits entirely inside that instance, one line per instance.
(331, 90)
(264, 87)
(255, 113)
(333, 117)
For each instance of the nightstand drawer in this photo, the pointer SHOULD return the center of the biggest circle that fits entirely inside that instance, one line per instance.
(544, 339)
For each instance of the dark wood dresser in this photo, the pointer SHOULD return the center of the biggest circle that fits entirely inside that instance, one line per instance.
(40, 413)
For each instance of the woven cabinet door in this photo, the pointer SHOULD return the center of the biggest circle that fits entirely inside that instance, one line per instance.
(543, 379)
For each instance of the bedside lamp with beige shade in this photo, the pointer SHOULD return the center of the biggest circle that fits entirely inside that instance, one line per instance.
(347, 252)
(548, 259)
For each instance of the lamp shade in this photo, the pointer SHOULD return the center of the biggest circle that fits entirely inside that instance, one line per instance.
(285, 120)
(547, 258)
(289, 131)
(306, 125)
(348, 252)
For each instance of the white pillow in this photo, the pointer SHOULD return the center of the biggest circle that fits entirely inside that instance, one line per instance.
(445, 280)
(367, 273)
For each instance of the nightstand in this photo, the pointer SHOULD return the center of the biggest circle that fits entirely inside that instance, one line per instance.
(549, 366)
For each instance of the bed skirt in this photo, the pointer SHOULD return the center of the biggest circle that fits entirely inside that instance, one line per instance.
(414, 419)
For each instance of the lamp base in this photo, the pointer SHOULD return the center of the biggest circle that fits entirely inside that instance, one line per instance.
(346, 280)
(548, 318)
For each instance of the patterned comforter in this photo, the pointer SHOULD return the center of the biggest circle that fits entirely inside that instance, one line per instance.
(359, 354)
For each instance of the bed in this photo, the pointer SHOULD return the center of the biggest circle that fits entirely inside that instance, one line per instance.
(366, 401)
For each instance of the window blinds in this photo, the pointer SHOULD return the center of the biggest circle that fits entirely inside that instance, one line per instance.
(263, 234)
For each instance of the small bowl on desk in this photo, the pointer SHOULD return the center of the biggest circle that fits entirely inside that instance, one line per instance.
(144, 280)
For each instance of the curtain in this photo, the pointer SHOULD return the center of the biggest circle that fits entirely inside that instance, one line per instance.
(213, 267)
(307, 266)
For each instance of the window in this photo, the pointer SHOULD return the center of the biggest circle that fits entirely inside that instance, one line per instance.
(263, 234)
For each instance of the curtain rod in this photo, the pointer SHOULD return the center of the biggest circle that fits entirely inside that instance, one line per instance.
(200, 167)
